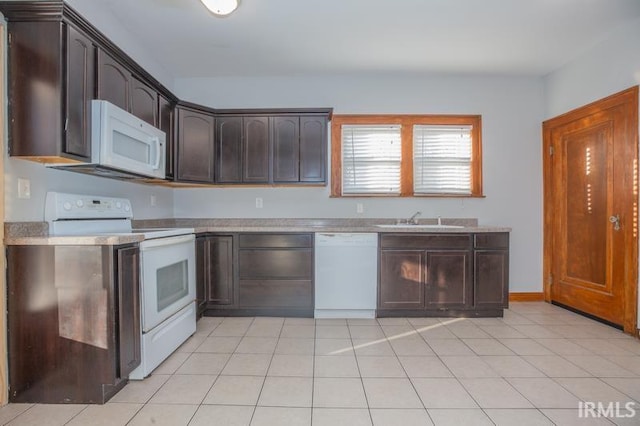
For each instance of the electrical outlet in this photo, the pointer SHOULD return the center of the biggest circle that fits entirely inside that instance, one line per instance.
(258, 203)
(152, 200)
(359, 208)
(24, 188)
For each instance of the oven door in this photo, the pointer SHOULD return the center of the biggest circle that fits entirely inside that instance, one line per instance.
(168, 277)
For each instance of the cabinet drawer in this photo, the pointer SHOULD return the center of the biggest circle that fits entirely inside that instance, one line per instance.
(426, 241)
(491, 240)
(276, 293)
(275, 264)
(275, 240)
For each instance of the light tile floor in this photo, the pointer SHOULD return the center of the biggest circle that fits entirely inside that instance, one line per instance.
(532, 367)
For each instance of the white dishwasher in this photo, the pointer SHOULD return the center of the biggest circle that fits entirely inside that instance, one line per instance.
(346, 278)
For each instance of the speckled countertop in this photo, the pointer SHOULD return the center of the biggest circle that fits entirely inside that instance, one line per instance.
(37, 233)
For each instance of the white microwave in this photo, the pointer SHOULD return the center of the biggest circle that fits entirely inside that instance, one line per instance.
(122, 142)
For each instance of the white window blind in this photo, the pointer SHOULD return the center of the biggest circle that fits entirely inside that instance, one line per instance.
(442, 159)
(371, 157)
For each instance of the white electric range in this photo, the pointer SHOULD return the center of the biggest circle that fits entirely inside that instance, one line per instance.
(167, 268)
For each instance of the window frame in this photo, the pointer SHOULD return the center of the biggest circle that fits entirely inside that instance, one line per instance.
(406, 140)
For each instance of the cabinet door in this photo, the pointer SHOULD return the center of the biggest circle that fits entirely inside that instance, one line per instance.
(401, 279)
(80, 87)
(165, 123)
(128, 286)
(202, 273)
(144, 102)
(448, 284)
(195, 146)
(220, 258)
(255, 166)
(313, 149)
(491, 277)
(114, 81)
(286, 149)
(229, 150)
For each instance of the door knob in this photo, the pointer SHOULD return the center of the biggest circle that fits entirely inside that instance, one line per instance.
(616, 222)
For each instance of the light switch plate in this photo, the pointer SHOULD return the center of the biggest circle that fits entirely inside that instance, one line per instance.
(259, 203)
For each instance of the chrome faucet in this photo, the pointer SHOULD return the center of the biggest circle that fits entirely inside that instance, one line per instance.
(412, 220)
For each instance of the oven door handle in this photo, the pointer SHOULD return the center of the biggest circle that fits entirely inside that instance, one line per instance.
(166, 241)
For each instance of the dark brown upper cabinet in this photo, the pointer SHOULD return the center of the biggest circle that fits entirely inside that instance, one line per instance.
(271, 146)
(144, 102)
(255, 147)
(50, 87)
(81, 88)
(313, 149)
(114, 81)
(58, 62)
(229, 149)
(286, 149)
(195, 146)
(166, 124)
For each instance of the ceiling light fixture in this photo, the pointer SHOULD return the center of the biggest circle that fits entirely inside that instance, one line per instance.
(220, 7)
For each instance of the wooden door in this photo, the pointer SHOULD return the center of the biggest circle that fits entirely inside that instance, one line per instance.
(144, 102)
(114, 81)
(195, 146)
(401, 279)
(81, 87)
(286, 148)
(255, 165)
(229, 149)
(590, 255)
(313, 149)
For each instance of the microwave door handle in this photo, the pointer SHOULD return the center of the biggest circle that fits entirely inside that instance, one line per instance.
(156, 165)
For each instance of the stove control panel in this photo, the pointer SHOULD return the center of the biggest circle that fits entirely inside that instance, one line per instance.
(63, 206)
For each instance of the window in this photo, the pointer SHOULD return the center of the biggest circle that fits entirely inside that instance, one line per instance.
(371, 159)
(406, 155)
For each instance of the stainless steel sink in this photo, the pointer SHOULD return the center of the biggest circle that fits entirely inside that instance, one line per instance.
(406, 225)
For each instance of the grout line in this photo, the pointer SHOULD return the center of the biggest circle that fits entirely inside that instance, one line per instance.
(255, 407)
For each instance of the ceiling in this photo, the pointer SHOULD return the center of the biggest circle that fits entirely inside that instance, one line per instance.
(299, 37)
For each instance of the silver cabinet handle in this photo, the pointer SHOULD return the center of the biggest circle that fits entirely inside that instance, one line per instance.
(616, 222)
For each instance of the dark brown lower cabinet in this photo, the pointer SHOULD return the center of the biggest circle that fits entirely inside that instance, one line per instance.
(73, 322)
(401, 279)
(276, 272)
(127, 274)
(448, 285)
(255, 274)
(491, 270)
(214, 274)
(443, 274)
